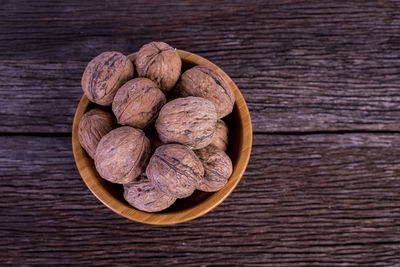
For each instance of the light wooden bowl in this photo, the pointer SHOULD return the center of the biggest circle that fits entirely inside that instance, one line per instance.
(182, 210)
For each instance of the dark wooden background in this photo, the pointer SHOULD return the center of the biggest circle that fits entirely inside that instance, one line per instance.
(322, 82)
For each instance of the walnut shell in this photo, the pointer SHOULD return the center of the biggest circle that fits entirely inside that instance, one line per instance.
(175, 170)
(93, 126)
(138, 102)
(189, 120)
(203, 81)
(143, 196)
(160, 63)
(122, 155)
(104, 75)
(220, 139)
(217, 168)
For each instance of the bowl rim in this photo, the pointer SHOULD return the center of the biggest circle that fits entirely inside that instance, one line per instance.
(87, 173)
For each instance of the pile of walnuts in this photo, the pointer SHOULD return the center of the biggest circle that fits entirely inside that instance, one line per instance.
(166, 137)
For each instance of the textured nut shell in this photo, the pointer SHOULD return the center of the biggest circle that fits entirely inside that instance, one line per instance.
(160, 63)
(104, 75)
(189, 120)
(143, 196)
(138, 102)
(205, 82)
(93, 126)
(175, 170)
(217, 168)
(220, 139)
(122, 155)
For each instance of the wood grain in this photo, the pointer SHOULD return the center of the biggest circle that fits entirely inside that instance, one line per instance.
(323, 200)
(301, 65)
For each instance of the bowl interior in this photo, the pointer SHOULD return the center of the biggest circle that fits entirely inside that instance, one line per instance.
(240, 141)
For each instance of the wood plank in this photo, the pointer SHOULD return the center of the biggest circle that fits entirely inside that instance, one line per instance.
(302, 66)
(305, 200)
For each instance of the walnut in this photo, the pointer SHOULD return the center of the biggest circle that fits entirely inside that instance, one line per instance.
(138, 102)
(220, 138)
(175, 170)
(93, 126)
(143, 196)
(122, 155)
(104, 75)
(160, 63)
(205, 82)
(188, 120)
(217, 168)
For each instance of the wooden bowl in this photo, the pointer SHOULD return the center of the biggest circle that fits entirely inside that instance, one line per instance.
(182, 210)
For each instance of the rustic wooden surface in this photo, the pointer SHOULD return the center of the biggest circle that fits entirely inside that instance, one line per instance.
(321, 79)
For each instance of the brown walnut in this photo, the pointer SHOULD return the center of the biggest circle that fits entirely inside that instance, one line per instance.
(203, 81)
(138, 102)
(188, 120)
(104, 75)
(93, 126)
(217, 168)
(175, 170)
(220, 138)
(160, 63)
(143, 196)
(122, 155)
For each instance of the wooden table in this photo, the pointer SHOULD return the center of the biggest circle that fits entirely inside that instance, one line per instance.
(322, 82)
